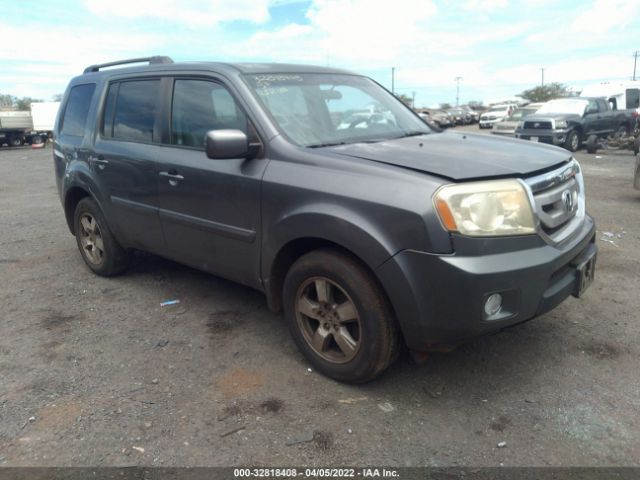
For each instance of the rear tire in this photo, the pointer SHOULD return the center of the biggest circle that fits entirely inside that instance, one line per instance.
(98, 247)
(339, 316)
(572, 142)
(592, 144)
(15, 142)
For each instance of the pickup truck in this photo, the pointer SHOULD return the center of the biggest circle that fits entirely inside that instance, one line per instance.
(567, 122)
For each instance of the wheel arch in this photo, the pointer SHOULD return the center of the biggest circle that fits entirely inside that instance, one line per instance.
(299, 233)
(71, 200)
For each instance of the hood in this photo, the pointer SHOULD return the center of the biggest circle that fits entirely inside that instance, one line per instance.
(460, 156)
(555, 116)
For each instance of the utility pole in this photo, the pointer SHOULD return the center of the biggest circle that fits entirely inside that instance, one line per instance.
(457, 79)
(635, 61)
(393, 79)
(542, 70)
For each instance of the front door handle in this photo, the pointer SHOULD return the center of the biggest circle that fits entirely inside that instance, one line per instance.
(99, 160)
(174, 178)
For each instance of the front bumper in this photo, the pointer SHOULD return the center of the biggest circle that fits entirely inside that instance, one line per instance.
(552, 137)
(439, 299)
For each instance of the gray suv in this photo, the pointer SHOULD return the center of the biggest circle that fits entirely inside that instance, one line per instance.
(319, 188)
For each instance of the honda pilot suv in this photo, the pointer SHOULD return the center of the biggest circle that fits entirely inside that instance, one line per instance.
(368, 234)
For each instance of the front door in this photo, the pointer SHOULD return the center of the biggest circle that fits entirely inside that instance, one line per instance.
(209, 209)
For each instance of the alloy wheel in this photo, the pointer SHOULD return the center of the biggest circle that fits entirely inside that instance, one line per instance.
(91, 239)
(329, 320)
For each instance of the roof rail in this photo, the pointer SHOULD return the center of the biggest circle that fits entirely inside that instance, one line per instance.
(151, 60)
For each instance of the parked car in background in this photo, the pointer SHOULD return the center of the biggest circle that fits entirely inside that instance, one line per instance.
(568, 122)
(459, 116)
(508, 125)
(496, 113)
(439, 118)
(472, 114)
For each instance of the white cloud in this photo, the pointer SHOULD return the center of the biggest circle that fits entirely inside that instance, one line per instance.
(189, 12)
(604, 15)
(487, 6)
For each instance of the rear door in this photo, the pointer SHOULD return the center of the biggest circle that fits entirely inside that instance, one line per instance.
(209, 209)
(124, 161)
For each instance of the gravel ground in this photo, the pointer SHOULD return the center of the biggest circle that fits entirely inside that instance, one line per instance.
(94, 371)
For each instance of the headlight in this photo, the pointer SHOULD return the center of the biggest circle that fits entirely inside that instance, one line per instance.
(485, 209)
(561, 124)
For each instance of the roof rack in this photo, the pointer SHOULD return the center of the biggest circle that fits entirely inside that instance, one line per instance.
(151, 60)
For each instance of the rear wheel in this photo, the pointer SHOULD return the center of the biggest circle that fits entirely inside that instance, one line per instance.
(339, 317)
(98, 247)
(15, 142)
(592, 144)
(572, 142)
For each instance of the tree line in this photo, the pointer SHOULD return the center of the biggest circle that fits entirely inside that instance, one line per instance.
(12, 102)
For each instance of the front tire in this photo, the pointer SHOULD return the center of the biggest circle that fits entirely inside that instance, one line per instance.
(572, 142)
(98, 247)
(339, 316)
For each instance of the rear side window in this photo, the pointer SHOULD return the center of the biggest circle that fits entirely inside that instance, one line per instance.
(200, 106)
(77, 110)
(130, 110)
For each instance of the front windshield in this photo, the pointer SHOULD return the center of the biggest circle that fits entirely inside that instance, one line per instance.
(318, 109)
(523, 112)
(574, 106)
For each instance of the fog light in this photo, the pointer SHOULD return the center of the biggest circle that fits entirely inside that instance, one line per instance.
(493, 304)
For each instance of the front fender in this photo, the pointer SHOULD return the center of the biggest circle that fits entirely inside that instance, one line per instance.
(332, 223)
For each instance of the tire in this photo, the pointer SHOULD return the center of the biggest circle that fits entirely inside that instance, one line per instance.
(15, 142)
(98, 247)
(37, 140)
(636, 146)
(572, 142)
(592, 144)
(363, 323)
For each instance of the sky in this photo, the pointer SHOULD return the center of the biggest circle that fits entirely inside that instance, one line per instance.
(497, 46)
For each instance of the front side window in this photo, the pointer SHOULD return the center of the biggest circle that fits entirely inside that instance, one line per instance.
(315, 110)
(199, 106)
(130, 110)
(77, 110)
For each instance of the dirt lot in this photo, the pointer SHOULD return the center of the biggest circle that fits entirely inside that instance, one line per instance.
(94, 371)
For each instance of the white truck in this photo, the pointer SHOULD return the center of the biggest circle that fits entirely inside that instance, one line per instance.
(32, 127)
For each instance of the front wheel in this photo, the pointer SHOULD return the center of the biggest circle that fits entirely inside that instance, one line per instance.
(572, 142)
(339, 316)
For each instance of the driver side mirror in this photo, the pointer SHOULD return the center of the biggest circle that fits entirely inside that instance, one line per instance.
(226, 144)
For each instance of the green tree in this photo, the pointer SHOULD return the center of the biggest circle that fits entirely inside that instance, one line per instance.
(406, 99)
(445, 106)
(24, 103)
(56, 98)
(475, 104)
(7, 101)
(543, 93)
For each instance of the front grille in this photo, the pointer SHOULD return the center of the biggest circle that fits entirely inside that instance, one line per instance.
(559, 201)
(538, 125)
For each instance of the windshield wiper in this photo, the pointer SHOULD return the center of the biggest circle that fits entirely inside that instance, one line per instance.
(411, 134)
(329, 144)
